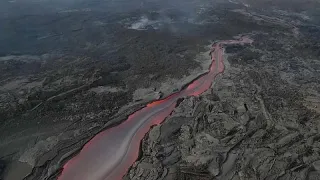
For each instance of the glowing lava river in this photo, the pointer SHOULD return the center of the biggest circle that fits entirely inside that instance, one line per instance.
(109, 155)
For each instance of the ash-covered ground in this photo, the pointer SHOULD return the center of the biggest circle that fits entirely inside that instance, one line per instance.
(72, 68)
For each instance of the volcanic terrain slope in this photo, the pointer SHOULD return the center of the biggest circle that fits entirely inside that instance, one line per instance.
(74, 71)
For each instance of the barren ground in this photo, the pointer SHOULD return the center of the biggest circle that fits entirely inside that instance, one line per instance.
(80, 68)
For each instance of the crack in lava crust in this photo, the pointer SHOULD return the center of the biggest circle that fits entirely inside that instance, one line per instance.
(110, 153)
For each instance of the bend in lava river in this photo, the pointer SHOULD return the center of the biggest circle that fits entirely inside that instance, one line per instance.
(110, 153)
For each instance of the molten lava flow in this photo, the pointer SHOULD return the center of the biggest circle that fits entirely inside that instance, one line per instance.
(109, 154)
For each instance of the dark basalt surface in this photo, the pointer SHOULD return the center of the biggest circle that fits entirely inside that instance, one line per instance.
(71, 72)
